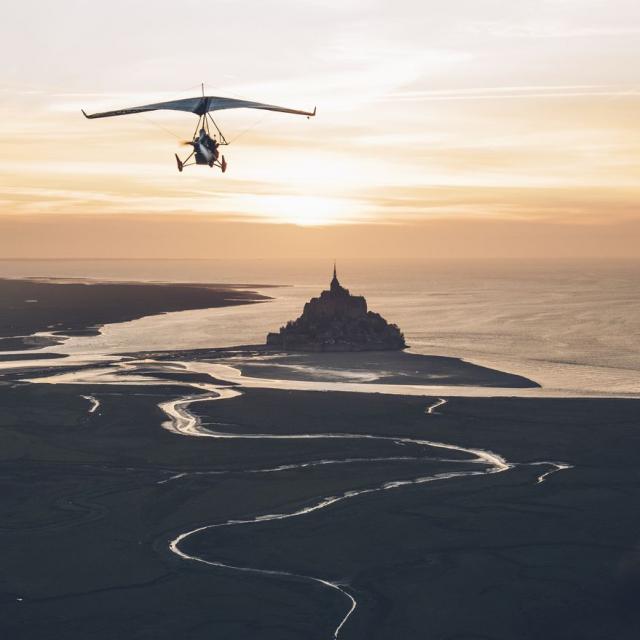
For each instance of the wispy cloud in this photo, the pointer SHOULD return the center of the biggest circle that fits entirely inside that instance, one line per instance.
(515, 92)
(550, 30)
(425, 110)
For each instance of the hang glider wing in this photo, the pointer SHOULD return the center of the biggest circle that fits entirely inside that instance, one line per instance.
(199, 106)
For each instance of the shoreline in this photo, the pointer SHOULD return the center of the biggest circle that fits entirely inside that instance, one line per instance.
(219, 327)
(35, 301)
(36, 313)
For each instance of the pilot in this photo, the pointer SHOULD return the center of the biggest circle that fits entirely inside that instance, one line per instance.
(205, 141)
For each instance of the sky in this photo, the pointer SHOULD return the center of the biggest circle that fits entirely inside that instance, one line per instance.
(471, 128)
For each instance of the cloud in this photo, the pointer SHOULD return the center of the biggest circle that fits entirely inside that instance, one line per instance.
(534, 29)
(425, 110)
(513, 92)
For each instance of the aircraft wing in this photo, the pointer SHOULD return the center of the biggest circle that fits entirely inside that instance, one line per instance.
(199, 106)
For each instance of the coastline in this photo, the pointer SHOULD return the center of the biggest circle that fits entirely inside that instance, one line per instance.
(36, 313)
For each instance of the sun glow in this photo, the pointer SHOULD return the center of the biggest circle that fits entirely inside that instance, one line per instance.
(476, 120)
(301, 210)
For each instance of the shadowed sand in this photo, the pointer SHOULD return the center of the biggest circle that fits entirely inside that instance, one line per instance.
(389, 367)
(90, 501)
(379, 367)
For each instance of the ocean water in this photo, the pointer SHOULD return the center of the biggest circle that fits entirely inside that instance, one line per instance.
(574, 327)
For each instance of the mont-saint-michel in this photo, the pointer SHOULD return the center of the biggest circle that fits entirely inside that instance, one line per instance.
(338, 321)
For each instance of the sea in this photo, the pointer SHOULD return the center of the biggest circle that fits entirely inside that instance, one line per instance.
(572, 326)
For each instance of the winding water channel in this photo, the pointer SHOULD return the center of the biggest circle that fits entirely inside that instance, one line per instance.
(182, 421)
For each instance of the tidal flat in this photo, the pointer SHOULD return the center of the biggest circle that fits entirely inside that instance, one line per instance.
(59, 308)
(92, 500)
(148, 497)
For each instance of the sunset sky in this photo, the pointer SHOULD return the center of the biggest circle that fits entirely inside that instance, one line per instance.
(462, 128)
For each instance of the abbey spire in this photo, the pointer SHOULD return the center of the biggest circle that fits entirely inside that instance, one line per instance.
(335, 284)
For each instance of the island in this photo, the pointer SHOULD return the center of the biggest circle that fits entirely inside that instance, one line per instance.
(337, 321)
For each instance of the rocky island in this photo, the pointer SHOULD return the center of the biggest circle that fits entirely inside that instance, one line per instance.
(337, 321)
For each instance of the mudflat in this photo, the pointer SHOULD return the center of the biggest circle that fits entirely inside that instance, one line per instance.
(383, 367)
(66, 308)
(91, 500)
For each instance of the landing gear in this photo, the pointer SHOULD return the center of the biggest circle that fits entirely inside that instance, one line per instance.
(222, 163)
